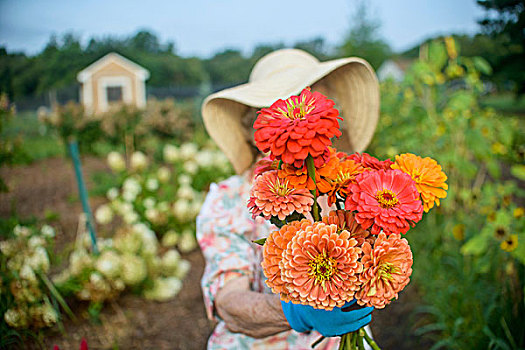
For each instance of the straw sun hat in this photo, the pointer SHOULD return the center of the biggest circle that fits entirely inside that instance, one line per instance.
(350, 82)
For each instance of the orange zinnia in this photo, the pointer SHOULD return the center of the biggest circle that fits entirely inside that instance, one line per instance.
(299, 126)
(345, 220)
(274, 197)
(299, 177)
(273, 255)
(429, 178)
(387, 266)
(343, 175)
(320, 267)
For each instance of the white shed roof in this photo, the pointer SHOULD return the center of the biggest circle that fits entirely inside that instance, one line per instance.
(112, 57)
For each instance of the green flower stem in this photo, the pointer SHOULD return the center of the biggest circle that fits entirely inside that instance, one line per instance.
(343, 341)
(369, 340)
(350, 341)
(311, 173)
(360, 343)
(57, 295)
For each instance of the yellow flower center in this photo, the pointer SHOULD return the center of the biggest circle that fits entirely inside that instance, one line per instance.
(386, 270)
(297, 109)
(416, 176)
(280, 188)
(387, 199)
(343, 176)
(322, 268)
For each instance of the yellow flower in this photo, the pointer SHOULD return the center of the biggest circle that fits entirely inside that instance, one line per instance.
(510, 243)
(498, 148)
(500, 232)
(450, 44)
(519, 212)
(459, 232)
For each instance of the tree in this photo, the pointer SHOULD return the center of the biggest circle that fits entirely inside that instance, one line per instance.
(363, 39)
(505, 21)
(315, 47)
(228, 67)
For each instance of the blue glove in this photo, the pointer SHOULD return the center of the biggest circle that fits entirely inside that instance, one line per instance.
(303, 318)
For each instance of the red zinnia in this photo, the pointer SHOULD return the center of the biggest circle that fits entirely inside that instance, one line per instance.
(299, 126)
(386, 200)
(367, 161)
(272, 196)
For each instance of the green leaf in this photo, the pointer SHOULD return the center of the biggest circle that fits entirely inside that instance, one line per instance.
(482, 65)
(475, 246)
(493, 168)
(518, 171)
(437, 54)
(260, 241)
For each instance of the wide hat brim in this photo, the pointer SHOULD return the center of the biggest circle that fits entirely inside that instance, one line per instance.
(351, 82)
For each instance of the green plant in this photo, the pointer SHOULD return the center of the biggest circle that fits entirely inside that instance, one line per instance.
(29, 301)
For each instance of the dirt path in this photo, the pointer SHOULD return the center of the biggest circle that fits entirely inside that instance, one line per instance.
(132, 322)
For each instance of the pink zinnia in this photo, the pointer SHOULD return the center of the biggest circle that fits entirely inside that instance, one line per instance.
(320, 266)
(386, 200)
(265, 164)
(299, 126)
(387, 266)
(273, 196)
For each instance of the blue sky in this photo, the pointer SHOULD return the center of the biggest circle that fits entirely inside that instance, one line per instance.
(202, 27)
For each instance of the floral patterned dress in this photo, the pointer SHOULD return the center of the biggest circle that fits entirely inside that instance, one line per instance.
(225, 231)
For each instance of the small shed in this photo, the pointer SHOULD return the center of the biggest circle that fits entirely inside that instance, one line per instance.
(112, 79)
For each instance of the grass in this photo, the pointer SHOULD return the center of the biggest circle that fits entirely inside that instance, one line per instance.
(37, 141)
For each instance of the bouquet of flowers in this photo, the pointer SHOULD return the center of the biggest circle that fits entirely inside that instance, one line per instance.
(355, 249)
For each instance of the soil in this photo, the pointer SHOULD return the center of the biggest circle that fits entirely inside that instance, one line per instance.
(132, 322)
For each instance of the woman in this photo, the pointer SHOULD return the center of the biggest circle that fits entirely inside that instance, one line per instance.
(249, 316)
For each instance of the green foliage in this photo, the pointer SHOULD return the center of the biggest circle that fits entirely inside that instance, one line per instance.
(507, 26)
(28, 301)
(228, 67)
(10, 149)
(35, 141)
(71, 122)
(122, 127)
(469, 253)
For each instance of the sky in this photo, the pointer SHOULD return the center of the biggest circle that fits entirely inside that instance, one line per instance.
(204, 27)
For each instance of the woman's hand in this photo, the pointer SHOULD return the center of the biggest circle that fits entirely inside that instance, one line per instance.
(255, 314)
